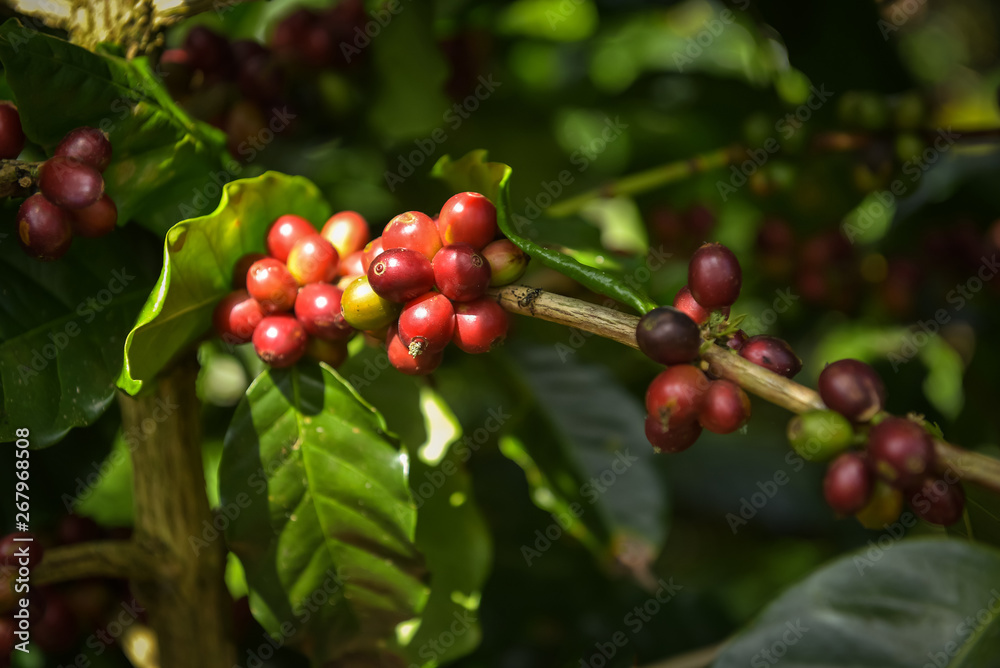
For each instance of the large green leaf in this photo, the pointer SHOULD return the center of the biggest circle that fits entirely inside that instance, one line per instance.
(166, 166)
(325, 526)
(198, 260)
(892, 605)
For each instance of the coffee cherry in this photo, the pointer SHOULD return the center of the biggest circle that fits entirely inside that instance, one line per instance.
(724, 408)
(333, 353)
(7, 637)
(57, 630)
(676, 394)
(364, 309)
(270, 283)
(283, 234)
(318, 309)
(773, 354)
(210, 53)
(347, 231)
(8, 597)
(43, 229)
(280, 340)
(10, 546)
(687, 305)
(847, 486)
(412, 230)
(352, 265)
(73, 529)
(88, 145)
(401, 274)
(902, 451)
(312, 259)
(242, 267)
(11, 133)
(714, 276)
(884, 506)
(70, 183)
(427, 323)
(461, 273)
(468, 218)
(480, 325)
(736, 340)
(934, 500)
(667, 336)
(404, 362)
(673, 439)
(507, 262)
(372, 250)
(817, 436)
(236, 317)
(853, 389)
(96, 220)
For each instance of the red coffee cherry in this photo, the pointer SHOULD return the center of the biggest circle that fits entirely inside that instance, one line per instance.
(347, 231)
(507, 262)
(283, 234)
(480, 325)
(242, 267)
(853, 389)
(412, 230)
(724, 408)
(88, 145)
(772, 353)
(427, 323)
(312, 259)
(11, 546)
(468, 218)
(280, 340)
(401, 274)
(714, 276)
(934, 500)
(847, 486)
(673, 439)
(236, 317)
(270, 283)
(70, 183)
(667, 336)
(372, 250)
(317, 307)
(333, 353)
(676, 394)
(902, 451)
(687, 305)
(43, 229)
(96, 220)
(11, 133)
(352, 266)
(404, 362)
(461, 273)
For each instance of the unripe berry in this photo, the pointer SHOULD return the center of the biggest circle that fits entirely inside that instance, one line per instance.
(312, 259)
(400, 357)
(668, 336)
(280, 340)
(714, 276)
(817, 436)
(461, 273)
(847, 486)
(10, 545)
(236, 317)
(283, 234)
(347, 231)
(318, 309)
(676, 394)
(363, 309)
(673, 439)
(724, 408)
(902, 451)
(43, 229)
(11, 133)
(96, 220)
(468, 218)
(88, 145)
(333, 353)
(853, 389)
(507, 262)
(480, 325)
(70, 183)
(934, 500)
(427, 323)
(401, 274)
(412, 230)
(772, 353)
(242, 267)
(270, 283)
(884, 506)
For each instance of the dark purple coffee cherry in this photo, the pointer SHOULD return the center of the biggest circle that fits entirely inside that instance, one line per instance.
(88, 145)
(724, 408)
(901, 450)
(70, 183)
(668, 336)
(210, 52)
(671, 439)
(853, 389)
(848, 483)
(714, 276)
(11, 133)
(401, 274)
(43, 229)
(936, 501)
(772, 353)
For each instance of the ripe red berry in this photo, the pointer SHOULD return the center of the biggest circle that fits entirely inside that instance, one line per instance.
(43, 229)
(88, 145)
(676, 394)
(468, 218)
(364, 309)
(672, 439)
(283, 234)
(480, 325)
(427, 323)
(714, 276)
(12, 547)
(724, 408)
(70, 183)
(853, 389)
(280, 340)
(96, 220)
(352, 266)
(401, 274)
(507, 261)
(11, 133)
(934, 500)
(461, 273)
(242, 267)
(347, 231)
(372, 250)
(901, 450)
(404, 362)
(312, 259)
(412, 230)
(270, 283)
(687, 305)
(333, 353)
(772, 353)
(318, 309)
(667, 336)
(848, 483)
(236, 317)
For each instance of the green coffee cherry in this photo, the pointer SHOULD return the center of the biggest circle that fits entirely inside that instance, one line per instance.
(819, 435)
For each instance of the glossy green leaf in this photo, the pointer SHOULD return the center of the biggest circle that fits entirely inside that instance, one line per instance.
(198, 260)
(891, 605)
(325, 527)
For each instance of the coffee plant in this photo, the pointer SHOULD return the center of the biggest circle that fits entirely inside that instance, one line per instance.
(358, 334)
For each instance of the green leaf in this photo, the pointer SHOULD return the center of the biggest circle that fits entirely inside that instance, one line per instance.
(198, 260)
(945, 370)
(898, 605)
(327, 523)
(166, 166)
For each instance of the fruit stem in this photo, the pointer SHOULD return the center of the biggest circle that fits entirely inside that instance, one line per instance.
(17, 178)
(96, 559)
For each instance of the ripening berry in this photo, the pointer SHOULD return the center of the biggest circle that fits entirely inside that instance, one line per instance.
(333, 353)
(675, 396)
(283, 234)
(280, 340)
(70, 183)
(480, 326)
(817, 436)
(312, 259)
(468, 218)
(724, 408)
(847, 486)
(270, 283)
(88, 145)
(236, 317)
(413, 230)
(507, 262)
(461, 273)
(853, 389)
(364, 309)
(773, 354)
(884, 506)
(44, 230)
(902, 451)
(668, 336)
(401, 274)
(714, 276)
(347, 231)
